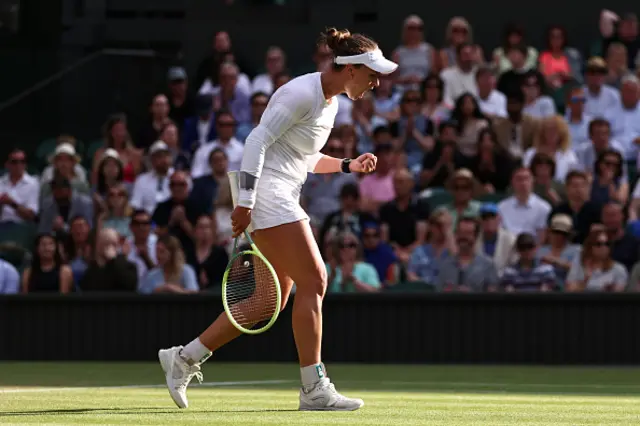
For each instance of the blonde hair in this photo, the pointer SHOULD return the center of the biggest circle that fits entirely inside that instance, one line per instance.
(339, 239)
(461, 22)
(173, 269)
(563, 132)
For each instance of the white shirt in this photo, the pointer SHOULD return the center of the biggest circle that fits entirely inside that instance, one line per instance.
(565, 162)
(203, 131)
(625, 127)
(495, 104)
(457, 82)
(293, 129)
(137, 260)
(25, 192)
(598, 105)
(243, 84)
(345, 106)
(262, 83)
(530, 217)
(540, 108)
(201, 167)
(149, 190)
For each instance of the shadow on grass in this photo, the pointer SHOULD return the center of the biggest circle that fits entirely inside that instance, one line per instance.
(129, 411)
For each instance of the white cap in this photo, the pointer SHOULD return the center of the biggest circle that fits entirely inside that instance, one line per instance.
(65, 148)
(158, 146)
(373, 59)
(110, 153)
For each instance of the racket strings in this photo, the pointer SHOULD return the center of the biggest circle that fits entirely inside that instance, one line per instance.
(251, 294)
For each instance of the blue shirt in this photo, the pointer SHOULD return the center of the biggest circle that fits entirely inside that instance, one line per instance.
(361, 271)
(381, 258)
(155, 279)
(579, 131)
(9, 278)
(425, 264)
(528, 279)
(568, 254)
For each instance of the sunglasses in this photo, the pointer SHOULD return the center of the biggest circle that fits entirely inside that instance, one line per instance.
(348, 245)
(177, 184)
(226, 124)
(576, 99)
(141, 222)
(17, 161)
(601, 244)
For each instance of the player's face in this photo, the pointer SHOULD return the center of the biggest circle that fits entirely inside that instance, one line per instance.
(360, 81)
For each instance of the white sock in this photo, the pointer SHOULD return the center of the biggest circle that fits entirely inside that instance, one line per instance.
(195, 353)
(311, 375)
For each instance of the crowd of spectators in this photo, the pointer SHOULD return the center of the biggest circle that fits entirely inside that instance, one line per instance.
(510, 170)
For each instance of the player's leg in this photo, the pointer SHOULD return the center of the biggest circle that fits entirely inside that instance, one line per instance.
(181, 365)
(293, 248)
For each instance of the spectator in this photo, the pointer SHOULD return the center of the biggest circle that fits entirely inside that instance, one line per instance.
(200, 128)
(348, 273)
(524, 211)
(181, 160)
(553, 139)
(470, 121)
(259, 101)
(440, 163)
(458, 33)
(607, 184)
(64, 204)
(413, 131)
(439, 244)
(492, 102)
(600, 98)
(627, 34)
(404, 219)
(281, 79)
(377, 188)
(116, 136)
(467, 271)
(543, 169)
(494, 241)
(19, 192)
(348, 217)
(594, 269)
(634, 205)
(79, 247)
(600, 132)
(110, 173)
(64, 160)
(387, 99)
(536, 103)
(181, 102)
(159, 118)
(222, 209)
(172, 275)
(109, 271)
(433, 106)
(142, 244)
(461, 77)
(275, 63)
(230, 96)
(583, 212)
(513, 36)
(616, 64)
(321, 191)
(379, 254)
(210, 70)
(415, 57)
(152, 187)
(209, 260)
(365, 120)
(205, 187)
(516, 132)
(625, 247)
(576, 118)
(78, 171)
(462, 187)
(349, 137)
(117, 214)
(47, 272)
(10, 281)
(492, 166)
(559, 252)
(510, 82)
(179, 213)
(528, 273)
(625, 119)
(225, 125)
(558, 62)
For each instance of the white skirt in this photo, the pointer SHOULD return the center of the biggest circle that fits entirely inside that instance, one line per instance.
(277, 201)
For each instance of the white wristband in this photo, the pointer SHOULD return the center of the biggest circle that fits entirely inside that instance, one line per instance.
(247, 198)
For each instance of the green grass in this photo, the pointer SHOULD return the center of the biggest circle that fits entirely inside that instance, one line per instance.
(84, 393)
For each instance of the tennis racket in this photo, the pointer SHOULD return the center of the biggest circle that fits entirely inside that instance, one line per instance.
(250, 290)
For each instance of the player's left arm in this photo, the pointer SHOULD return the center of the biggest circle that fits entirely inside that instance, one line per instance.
(320, 163)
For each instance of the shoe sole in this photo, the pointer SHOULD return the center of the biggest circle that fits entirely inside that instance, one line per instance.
(301, 408)
(168, 371)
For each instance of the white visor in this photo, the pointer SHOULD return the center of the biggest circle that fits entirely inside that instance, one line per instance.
(374, 60)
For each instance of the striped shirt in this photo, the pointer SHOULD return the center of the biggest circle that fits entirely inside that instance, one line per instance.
(528, 279)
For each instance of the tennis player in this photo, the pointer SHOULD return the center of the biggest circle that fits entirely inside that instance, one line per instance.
(278, 154)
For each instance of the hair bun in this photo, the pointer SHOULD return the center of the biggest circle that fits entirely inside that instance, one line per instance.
(335, 37)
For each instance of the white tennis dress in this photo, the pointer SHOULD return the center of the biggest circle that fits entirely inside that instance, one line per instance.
(283, 148)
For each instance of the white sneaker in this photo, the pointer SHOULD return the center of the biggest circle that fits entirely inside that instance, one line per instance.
(179, 374)
(325, 397)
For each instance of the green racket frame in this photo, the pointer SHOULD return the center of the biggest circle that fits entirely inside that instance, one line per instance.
(254, 252)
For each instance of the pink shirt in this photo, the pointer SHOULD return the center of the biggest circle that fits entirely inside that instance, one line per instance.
(378, 188)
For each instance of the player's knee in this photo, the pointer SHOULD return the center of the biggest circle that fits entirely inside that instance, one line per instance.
(315, 283)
